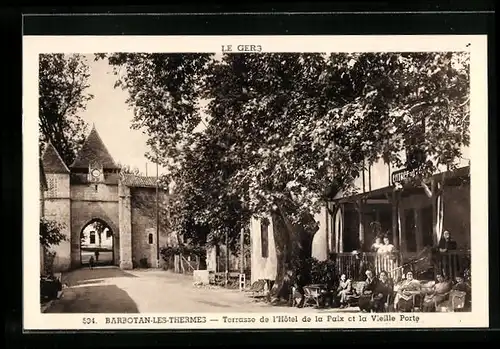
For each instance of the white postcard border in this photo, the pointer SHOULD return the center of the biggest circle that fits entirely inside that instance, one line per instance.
(476, 44)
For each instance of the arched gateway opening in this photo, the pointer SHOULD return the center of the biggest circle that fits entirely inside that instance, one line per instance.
(96, 240)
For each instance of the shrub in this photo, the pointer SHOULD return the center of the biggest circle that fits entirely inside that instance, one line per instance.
(314, 271)
(50, 232)
(168, 251)
(48, 261)
(49, 287)
(323, 272)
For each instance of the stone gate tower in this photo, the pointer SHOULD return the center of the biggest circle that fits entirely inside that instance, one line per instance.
(92, 188)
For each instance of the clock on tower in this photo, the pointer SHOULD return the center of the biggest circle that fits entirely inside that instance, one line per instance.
(95, 173)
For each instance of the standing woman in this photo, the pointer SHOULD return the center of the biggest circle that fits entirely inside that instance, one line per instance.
(386, 255)
(447, 261)
(377, 244)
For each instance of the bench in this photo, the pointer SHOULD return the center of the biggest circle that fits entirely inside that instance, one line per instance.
(259, 288)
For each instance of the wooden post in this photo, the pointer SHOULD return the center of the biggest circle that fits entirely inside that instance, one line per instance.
(242, 280)
(328, 240)
(242, 251)
(388, 174)
(361, 216)
(395, 230)
(400, 225)
(434, 211)
(341, 229)
(418, 229)
(369, 178)
(361, 225)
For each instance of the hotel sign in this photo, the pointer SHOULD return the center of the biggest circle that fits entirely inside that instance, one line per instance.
(402, 175)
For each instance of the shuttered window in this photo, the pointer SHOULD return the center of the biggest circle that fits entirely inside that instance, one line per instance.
(264, 239)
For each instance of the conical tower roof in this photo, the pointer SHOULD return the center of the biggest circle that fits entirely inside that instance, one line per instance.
(94, 151)
(52, 161)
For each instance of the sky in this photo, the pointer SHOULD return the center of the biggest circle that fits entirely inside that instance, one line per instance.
(113, 119)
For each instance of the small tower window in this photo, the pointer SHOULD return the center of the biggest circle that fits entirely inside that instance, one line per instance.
(150, 238)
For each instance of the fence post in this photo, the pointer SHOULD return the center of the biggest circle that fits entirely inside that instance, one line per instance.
(176, 263)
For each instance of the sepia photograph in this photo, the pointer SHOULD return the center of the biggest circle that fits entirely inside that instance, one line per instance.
(261, 188)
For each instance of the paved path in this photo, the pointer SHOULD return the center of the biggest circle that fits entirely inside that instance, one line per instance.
(111, 290)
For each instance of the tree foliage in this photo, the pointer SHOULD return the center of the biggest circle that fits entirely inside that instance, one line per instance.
(51, 233)
(63, 84)
(275, 134)
(127, 169)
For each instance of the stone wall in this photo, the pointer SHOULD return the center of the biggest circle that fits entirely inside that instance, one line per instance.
(57, 208)
(88, 192)
(143, 223)
(262, 267)
(125, 221)
(58, 186)
(265, 267)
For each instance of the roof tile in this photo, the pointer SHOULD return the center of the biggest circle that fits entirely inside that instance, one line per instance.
(52, 161)
(94, 150)
(43, 178)
(138, 181)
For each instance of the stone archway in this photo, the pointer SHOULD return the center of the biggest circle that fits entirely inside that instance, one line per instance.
(97, 241)
(85, 212)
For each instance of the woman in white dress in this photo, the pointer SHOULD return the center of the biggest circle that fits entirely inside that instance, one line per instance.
(377, 244)
(386, 258)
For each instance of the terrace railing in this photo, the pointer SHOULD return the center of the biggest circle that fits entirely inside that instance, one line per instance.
(450, 264)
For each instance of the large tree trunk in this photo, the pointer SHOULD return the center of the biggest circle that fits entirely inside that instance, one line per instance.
(293, 244)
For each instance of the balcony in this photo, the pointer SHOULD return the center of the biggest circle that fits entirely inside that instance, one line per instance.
(425, 265)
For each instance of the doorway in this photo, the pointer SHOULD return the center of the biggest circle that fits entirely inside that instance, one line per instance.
(96, 241)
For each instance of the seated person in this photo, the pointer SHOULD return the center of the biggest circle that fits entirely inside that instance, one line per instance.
(436, 295)
(382, 293)
(297, 291)
(369, 287)
(344, 290)
(404, 300)
(459, 296)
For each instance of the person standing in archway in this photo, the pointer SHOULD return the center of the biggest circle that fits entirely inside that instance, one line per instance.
(91, 262)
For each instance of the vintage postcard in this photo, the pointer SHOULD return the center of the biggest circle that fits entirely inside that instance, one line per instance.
(255, 182)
